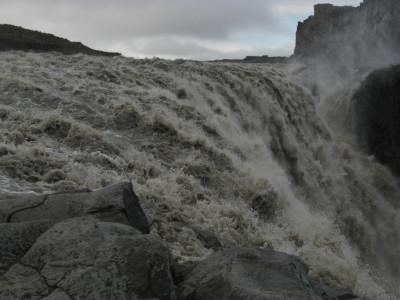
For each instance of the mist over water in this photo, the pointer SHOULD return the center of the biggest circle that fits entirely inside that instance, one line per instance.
(234, 149)
(340, 46)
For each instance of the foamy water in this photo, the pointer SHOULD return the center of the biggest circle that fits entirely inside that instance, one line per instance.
(235, 149)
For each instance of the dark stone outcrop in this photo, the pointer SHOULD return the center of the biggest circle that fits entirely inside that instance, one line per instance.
(364, 35)
(208, 239)
(16, 239)
(376, 107)
(18, 38)
(252, 273)
(117, 203)
(89, 245)
(83, 258)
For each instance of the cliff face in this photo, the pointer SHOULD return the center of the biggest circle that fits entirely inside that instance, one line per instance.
(18, 38)
(377, 116)
(364, 35)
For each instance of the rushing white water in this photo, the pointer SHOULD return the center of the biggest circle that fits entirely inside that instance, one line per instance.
(234, 149)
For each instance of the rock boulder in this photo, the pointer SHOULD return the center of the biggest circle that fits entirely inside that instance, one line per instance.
(251, 273)
(117, 203)
(90, 245)
(84, 258)
(16, 239)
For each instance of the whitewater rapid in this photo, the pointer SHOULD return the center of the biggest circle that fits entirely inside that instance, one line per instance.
(234, 149)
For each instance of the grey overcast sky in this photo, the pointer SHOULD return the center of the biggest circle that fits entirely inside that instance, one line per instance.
(190, 29)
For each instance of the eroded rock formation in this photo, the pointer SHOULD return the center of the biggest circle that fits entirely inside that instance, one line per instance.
(364, 35)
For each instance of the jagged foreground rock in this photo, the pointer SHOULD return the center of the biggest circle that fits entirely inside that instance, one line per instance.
(90, 245)
(252, 273)
(117, 203)
(84, 258)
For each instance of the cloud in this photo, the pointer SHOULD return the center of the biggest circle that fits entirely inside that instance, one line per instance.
(296, 7)
(165, 28)
(138, 18)
(172, 48)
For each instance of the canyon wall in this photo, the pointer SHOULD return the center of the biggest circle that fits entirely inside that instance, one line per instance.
(367, 35)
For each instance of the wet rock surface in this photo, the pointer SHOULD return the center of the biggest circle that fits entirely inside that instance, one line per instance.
(86, 258)
(117, 203)
(16, 239)
(377, 116)
(68, 249)
(252, 273)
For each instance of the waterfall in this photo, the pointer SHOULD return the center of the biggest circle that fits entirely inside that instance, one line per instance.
(235, 149)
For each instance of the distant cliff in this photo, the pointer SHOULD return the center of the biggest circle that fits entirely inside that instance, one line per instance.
(18, 38)
(364, 35)
(258, 59)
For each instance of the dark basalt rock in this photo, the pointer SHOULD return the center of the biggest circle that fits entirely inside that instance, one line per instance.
(266, 205)
(377, 116)
(84, 258)
(89, 245)
(117, 203)
(16, 239)
(208, 239)
(18, 38)
(252, 273)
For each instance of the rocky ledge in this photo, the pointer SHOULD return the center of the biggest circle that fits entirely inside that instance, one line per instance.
(18, 38)
(97, 245)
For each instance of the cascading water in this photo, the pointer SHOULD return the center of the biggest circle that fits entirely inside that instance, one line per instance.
(235, 149)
